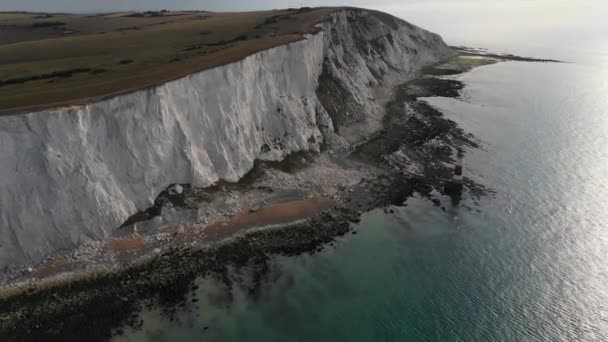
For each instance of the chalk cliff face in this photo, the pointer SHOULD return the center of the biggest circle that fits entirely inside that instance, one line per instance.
(367, 54)
(77, 173)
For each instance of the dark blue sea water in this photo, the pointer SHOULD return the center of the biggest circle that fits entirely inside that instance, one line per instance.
(527, 264)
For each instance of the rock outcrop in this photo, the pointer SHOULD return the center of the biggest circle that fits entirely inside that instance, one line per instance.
(77, 173)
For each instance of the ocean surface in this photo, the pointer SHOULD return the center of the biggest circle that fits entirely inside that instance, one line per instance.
(529, 263)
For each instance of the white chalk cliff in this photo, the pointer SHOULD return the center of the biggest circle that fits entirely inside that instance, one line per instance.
(77, 173)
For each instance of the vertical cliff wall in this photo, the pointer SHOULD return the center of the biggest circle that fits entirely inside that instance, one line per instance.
(77, 173)
(368, 54)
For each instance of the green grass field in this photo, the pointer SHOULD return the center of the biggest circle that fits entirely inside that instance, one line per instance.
(60, 59)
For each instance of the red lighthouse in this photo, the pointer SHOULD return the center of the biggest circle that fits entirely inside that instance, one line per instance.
(454, 187)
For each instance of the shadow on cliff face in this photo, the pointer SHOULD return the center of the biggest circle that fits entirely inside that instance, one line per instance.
(338, 101)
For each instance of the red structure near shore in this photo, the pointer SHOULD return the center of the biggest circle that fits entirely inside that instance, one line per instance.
(454, 187)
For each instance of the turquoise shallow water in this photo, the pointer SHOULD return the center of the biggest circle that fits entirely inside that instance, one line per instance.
(527, 264)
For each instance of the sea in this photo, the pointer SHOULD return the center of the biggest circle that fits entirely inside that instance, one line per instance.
(527, 263)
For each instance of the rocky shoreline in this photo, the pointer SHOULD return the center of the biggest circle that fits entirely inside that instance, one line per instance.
(412, 154)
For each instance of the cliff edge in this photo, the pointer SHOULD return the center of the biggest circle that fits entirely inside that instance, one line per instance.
(77, 173)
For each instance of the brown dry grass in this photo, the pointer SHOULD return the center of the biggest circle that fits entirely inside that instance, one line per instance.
(160, 51)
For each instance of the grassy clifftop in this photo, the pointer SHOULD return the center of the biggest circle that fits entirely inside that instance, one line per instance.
(49, 60)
